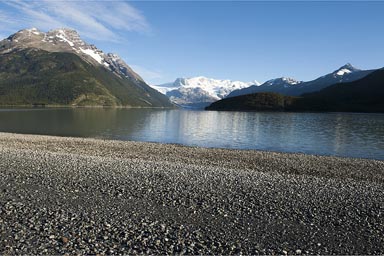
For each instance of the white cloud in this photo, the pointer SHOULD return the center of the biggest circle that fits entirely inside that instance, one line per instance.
(99, 20)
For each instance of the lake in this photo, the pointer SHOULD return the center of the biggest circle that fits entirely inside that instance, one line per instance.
(340, 134)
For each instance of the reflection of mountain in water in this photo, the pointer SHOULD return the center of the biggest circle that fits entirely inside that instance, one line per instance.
(342, 134)
(88, 122)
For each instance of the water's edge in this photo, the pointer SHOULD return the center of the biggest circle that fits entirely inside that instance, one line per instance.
(329, 134)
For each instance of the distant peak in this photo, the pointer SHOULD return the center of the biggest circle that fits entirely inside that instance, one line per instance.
(64, 30)
(35, 30)
(348, 65)
(180, 81)
(282, 80)
(346, 69)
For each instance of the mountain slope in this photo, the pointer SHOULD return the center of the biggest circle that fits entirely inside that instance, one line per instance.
(291, 87)
(198, 92)
(363, 95)
(277, 85)
(59, 68)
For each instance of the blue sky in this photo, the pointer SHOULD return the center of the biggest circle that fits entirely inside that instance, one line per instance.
(237, 40)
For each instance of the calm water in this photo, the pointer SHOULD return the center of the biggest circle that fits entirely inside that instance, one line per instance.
(342, 134)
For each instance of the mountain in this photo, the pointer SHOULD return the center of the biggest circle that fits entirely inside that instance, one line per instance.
(198, 92)
(59, 68)
(282, 82)
(291, 87)
(363, 95)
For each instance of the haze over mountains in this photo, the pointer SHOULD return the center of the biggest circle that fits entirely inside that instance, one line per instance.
(58, 67)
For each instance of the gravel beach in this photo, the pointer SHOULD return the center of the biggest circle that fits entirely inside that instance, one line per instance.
(86, 196)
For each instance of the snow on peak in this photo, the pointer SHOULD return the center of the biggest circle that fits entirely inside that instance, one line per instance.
(94, 54)
(200, 89)
(34, 31)
(68, 40)
(62, 36)
(65, 35)
(282, 81)
(216, 88)
(346, 69)
(343, 71)
(30, 31)
(65, 31)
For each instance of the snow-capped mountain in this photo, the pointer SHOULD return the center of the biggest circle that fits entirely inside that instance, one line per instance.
(292, 87)
(59, 68)
(68, 40)
(199, 91)
(346, 73)
(283, 81)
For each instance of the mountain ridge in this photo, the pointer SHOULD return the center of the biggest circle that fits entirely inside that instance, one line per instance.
(291, 87)
(200, 91)
(68, 40)
(362, 95)
(61, 62)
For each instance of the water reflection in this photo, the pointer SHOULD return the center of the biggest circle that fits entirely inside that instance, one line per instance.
(343, 134)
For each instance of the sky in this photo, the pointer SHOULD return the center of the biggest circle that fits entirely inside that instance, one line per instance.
(236, 40)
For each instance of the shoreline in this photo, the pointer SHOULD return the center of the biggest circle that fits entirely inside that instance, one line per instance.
(80, 195)
(190, 146)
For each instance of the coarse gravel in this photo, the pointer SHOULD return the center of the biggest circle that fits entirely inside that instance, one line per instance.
(61, 195)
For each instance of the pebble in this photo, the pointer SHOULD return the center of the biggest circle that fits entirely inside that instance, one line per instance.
(64, 240)
(109, 197)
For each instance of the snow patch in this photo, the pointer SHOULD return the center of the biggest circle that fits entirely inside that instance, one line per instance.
(343, 71)
(93, 54)
(284, 81)
(34, 31)
(62, 36)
